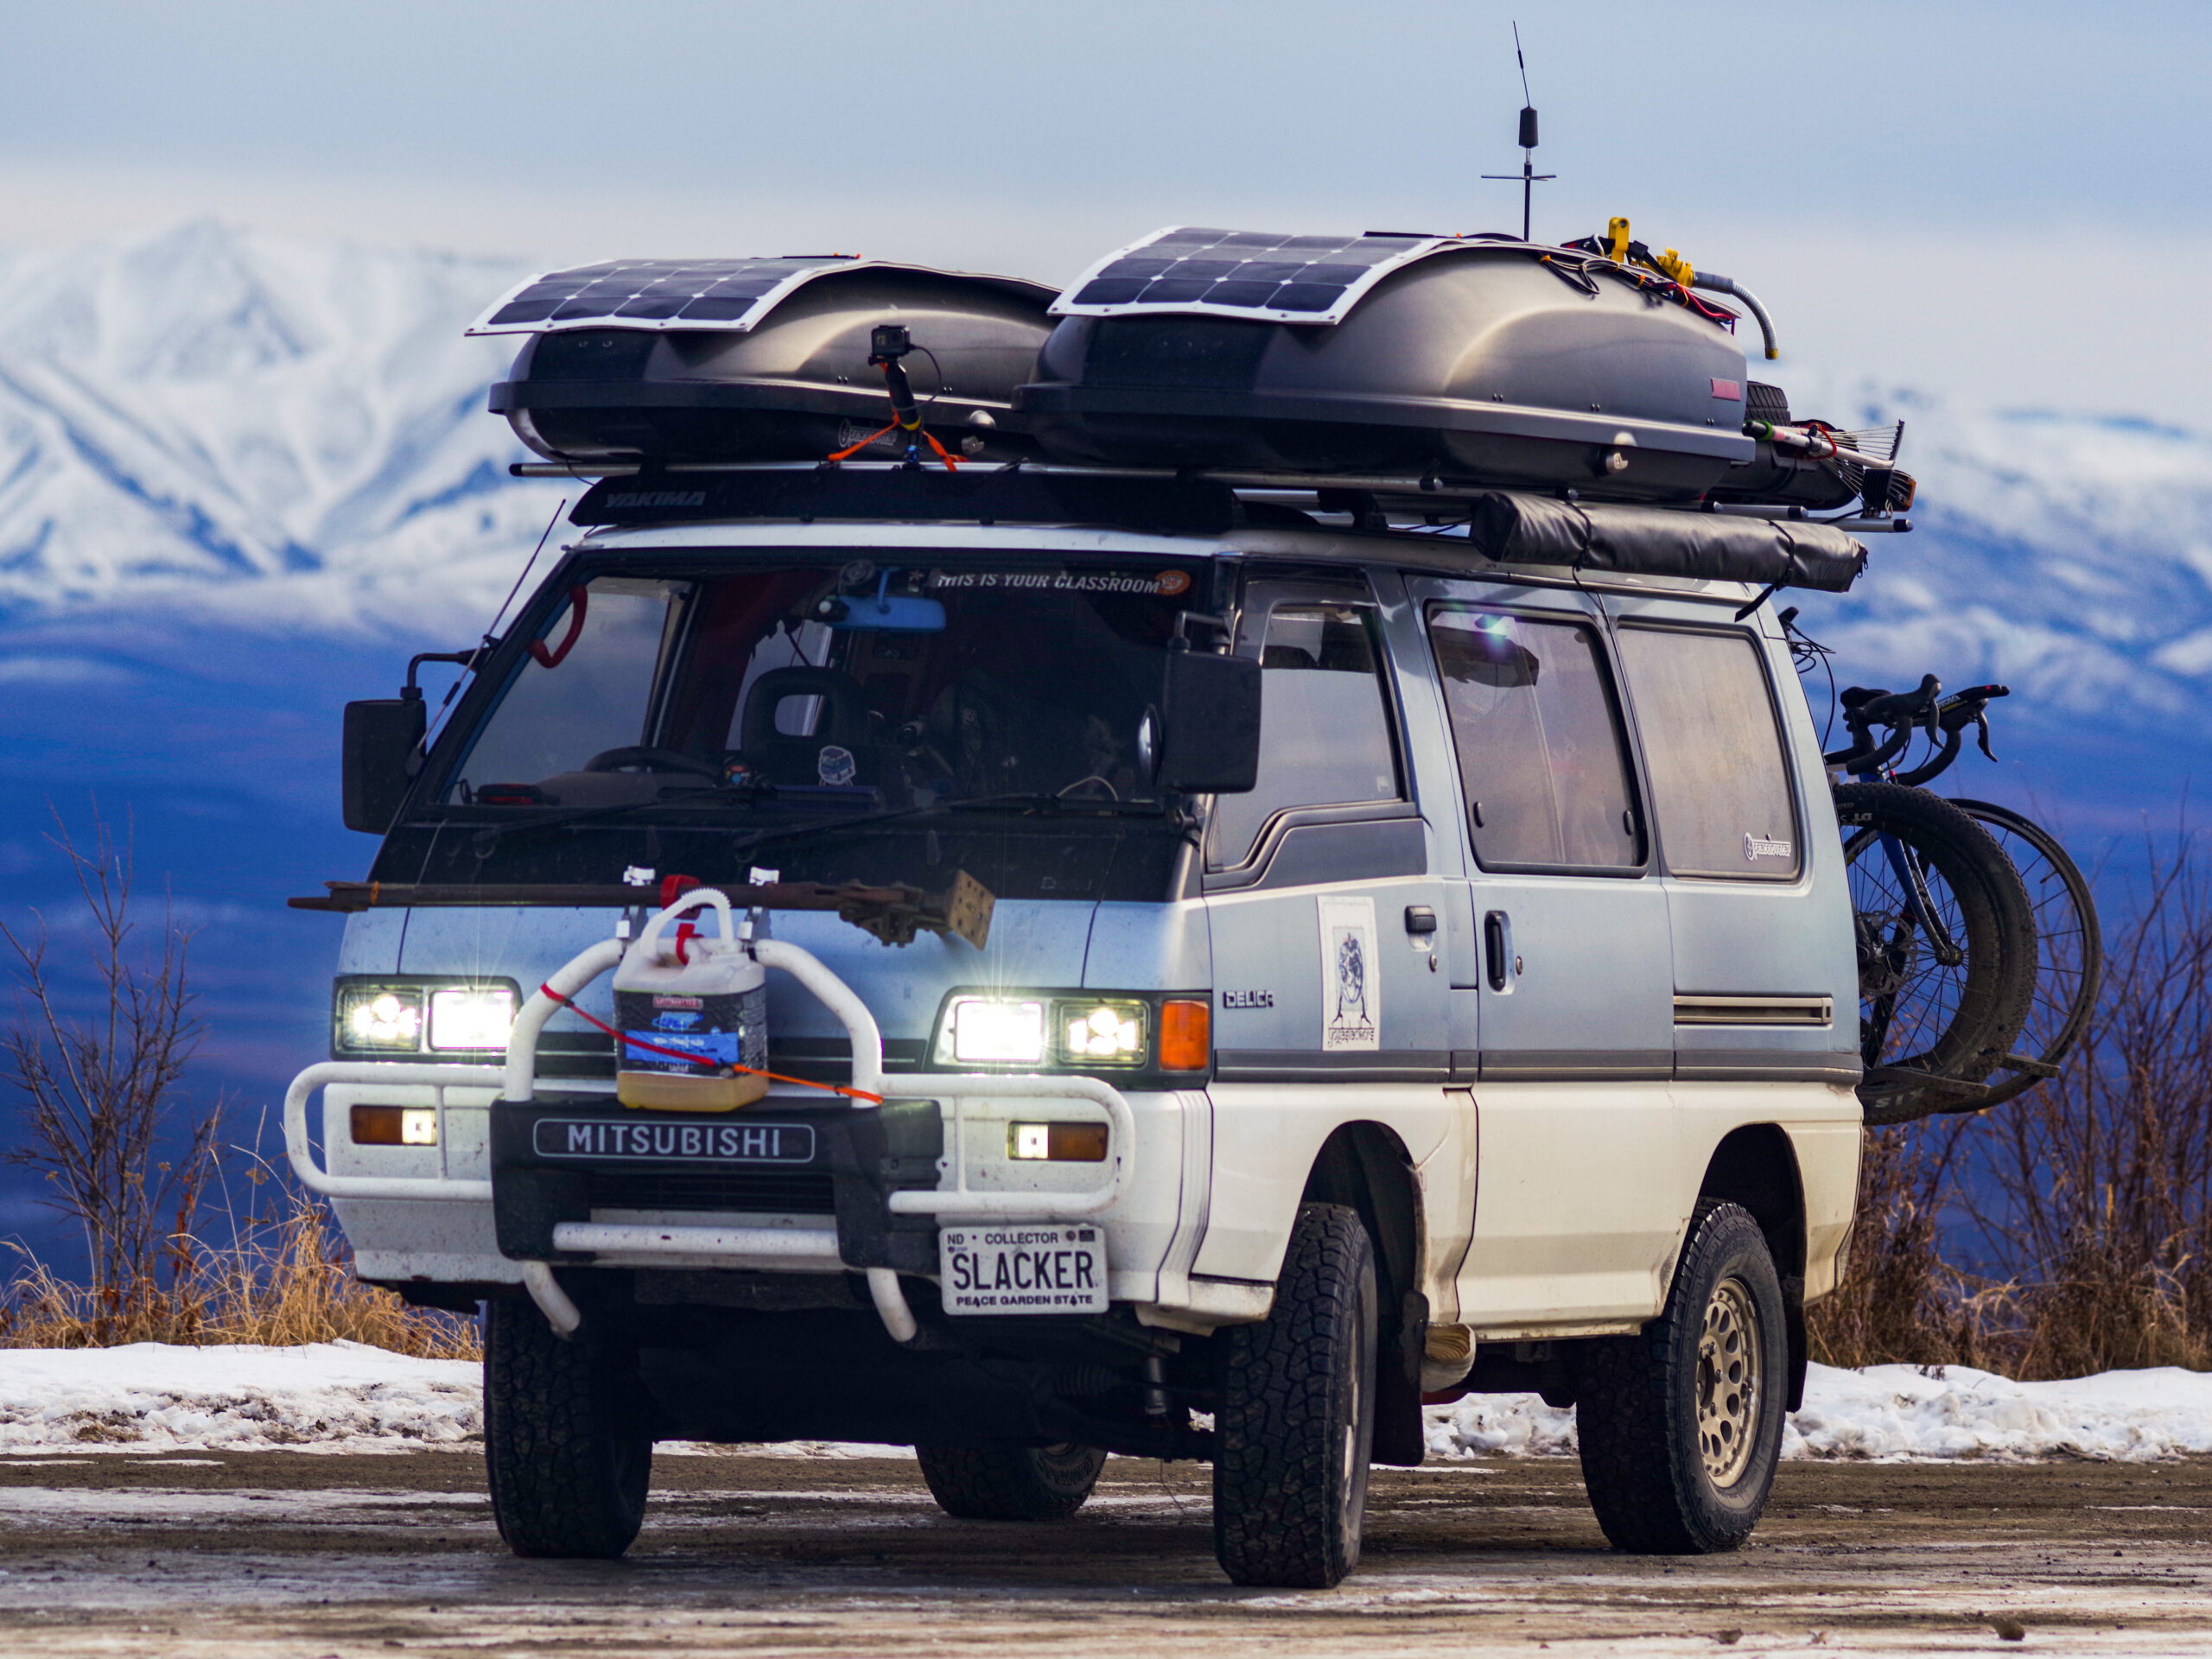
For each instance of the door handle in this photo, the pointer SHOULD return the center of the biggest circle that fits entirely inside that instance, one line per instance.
(1499, 960)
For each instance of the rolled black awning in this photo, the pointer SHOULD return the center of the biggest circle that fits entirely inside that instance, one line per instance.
(1517, 528)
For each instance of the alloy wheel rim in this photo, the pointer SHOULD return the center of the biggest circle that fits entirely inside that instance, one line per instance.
(1728, 1382)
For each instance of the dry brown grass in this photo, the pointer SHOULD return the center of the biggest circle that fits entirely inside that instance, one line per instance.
(2087, 1202)
(1899, 1304)
(128, 1167)
(280, 1282)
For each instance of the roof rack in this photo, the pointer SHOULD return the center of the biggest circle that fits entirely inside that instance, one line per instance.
(1502, 526)
(1408, 495)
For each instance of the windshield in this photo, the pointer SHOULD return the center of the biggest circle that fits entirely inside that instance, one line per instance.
(841, 684)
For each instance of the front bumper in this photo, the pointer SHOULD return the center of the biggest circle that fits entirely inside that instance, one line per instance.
(565, 1182)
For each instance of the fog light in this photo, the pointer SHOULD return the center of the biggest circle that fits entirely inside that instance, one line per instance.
(988, 1031)
(387, 1020)
(1112, 1032)
(1060, 1143)
(471, 1017)
(395, 1126)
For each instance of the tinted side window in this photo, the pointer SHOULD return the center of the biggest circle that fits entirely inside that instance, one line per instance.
(1539, 740)
(1324, 727)
(1718, 781)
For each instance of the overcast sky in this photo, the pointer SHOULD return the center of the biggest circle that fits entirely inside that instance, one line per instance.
(1995, 204)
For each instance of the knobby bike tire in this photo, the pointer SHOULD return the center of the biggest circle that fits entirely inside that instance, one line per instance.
(1931, 1030)
(2069, 942)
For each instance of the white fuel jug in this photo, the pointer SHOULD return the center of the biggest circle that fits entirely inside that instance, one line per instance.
(689, 1010)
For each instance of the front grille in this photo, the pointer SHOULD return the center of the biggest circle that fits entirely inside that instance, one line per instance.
(783, 1192)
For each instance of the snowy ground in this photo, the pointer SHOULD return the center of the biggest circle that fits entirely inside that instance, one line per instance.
(344, 1397)
(222, 1555)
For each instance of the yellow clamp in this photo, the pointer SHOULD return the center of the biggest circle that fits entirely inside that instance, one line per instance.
(1617, 234)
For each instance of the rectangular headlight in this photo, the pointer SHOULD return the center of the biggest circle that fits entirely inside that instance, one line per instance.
(471, 1017)
(992, 1030)
(379, 1019)
(1100, 1031)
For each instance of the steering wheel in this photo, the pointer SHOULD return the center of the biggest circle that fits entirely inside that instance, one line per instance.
(640, 758)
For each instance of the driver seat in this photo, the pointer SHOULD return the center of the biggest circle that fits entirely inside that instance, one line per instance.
(844, 720)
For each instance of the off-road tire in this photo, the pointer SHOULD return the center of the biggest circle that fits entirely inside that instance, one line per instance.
(1010, 1482)
(1919, 1018)
(566, 1443)
(1296, 1424)
(1637, 1406)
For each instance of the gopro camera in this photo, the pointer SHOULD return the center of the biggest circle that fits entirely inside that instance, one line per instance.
(889, 340)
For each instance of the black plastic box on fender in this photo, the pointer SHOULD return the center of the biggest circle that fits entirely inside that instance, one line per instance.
(767, 360)
(1475, 362)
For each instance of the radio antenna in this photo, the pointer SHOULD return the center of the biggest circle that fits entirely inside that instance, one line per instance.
(1529, 176)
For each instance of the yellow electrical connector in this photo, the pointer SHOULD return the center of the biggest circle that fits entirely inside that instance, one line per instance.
(1677, 267)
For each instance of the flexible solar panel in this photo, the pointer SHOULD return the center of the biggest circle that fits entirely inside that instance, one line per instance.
(1257, 274)
(720, 293)
(728, 295)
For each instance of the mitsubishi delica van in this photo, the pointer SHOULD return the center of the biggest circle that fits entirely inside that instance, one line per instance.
(1218, 953)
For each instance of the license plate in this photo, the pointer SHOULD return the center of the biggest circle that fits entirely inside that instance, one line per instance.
(1017, 1268)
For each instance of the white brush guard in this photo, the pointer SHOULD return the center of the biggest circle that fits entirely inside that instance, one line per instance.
(734, 1247)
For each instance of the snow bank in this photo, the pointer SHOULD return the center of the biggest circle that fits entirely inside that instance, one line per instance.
(347, 1397)
(334, 1397)
(1898, 1413)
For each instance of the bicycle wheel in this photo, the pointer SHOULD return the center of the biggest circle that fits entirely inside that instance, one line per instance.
(1946, 950)
(2069, 945)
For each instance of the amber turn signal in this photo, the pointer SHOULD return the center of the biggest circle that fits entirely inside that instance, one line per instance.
(1186, 1036)
(395, 1126)
(1060, 1143)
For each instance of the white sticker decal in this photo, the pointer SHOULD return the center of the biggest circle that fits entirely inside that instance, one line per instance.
(1351, 993)
(836, 765)
(1758, 847)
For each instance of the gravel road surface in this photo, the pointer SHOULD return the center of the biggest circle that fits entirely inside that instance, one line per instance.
(255, 1555)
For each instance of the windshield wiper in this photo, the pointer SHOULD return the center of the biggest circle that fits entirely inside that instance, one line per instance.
(784, 832)
(1057, 805)
(726, 795)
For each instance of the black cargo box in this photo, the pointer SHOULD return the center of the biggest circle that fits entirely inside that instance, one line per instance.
(1479, 361)
(758, 359)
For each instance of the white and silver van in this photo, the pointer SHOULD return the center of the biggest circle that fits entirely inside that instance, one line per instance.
(1243, 957)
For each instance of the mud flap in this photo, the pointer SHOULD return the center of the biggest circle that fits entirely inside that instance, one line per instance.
(1793, 1304)
(1400, 1437)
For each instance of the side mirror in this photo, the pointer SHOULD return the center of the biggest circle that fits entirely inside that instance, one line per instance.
(381, 735)
(1210, 737)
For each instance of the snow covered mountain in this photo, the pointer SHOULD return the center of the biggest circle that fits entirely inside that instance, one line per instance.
(273, 430)
(2068, 555)
(241, 429)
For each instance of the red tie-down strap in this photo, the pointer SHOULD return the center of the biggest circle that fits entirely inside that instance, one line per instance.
(623, 1040)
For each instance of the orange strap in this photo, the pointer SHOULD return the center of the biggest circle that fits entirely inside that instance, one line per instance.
(846, 455)
(625, 1041)
(950, 465)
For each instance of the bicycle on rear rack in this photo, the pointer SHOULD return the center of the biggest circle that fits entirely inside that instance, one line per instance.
(1962, 951)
